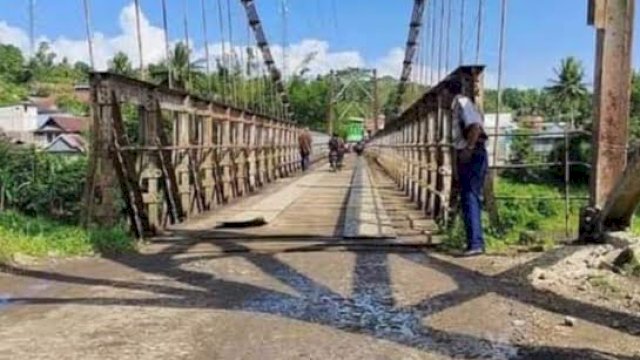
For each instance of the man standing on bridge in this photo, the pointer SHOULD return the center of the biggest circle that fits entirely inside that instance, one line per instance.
(305, 143)
(469, 140)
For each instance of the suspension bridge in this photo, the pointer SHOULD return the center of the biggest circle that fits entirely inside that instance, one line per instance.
(247, 256)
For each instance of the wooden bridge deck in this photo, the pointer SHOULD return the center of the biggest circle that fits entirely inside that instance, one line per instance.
(318, 208)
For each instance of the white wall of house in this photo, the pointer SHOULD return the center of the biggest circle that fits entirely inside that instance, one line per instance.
(19, 118)
(506, 125)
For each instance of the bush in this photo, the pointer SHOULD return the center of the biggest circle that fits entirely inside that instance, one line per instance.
(38, 183)
(39, 237)
(536, 222)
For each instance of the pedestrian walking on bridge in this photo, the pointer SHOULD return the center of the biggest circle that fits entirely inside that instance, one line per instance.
(305, 144)
(469, 140)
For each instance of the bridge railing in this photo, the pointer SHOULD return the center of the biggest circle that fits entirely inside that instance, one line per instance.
(416, 148)
(175, 155)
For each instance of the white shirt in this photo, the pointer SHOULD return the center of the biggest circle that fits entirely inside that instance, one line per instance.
(464, 113)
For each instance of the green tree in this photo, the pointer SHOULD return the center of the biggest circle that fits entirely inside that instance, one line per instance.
(309, 99)
(569, 89)
(183, 71)
(120, 64)
(12, 63)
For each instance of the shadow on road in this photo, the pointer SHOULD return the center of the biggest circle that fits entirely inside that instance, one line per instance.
(371, 310)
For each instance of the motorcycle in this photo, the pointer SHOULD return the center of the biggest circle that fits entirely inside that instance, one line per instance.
(335, 160)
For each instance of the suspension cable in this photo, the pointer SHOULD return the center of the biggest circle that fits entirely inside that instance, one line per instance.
(87, 19)
(285, 12)
(503, 30)
(434, 29)
(32, 27)
(256, 25)
(223, 48)
(232, 54)
(207, 54)
(139, 37)
(187, 80)
(448, 38)
(247, 70)
(441, 45)
(167, 49)
(462, 22)
(415, 26)
(425, 44)
(479, 30)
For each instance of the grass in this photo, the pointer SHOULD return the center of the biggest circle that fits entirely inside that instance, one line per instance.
(39, 237)
(538, 223)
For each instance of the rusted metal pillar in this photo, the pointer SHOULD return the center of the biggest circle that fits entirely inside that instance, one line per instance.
(613, 20)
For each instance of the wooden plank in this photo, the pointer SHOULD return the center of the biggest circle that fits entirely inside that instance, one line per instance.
(176, 212)
(125, 170)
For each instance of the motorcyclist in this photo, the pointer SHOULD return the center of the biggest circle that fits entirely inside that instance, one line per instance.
(336, 151)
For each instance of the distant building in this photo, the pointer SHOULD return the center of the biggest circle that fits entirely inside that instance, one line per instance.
(61, 133)
(531, 122)
(506, 126)
(37, 124)
(19, 121)
(547, 138)
(67, 144)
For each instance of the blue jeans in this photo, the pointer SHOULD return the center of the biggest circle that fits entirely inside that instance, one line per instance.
(472, 175)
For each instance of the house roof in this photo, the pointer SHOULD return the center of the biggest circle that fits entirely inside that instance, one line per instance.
(74, 143)
(66, 123)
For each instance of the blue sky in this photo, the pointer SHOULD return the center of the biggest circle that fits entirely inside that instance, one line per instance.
(343, 32)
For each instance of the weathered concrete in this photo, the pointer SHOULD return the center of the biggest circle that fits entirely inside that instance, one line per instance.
(207, 293)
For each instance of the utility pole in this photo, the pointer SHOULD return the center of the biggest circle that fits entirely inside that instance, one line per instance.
(613, 21)
(614, 194)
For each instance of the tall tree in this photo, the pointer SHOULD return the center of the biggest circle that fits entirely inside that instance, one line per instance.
(183, 71)
(569, 89)
(121, 64)
(11, 64)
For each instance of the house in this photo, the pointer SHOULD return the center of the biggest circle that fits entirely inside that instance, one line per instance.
(61, 133)
(19, 121)
(506, 126)
(67, 144)
(547, 138)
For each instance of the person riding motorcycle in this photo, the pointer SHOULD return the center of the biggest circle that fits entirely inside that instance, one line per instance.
(336, 152)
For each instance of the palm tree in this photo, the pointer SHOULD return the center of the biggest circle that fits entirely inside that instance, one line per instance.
(120, 64)
(182, 70)
(569, 87)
